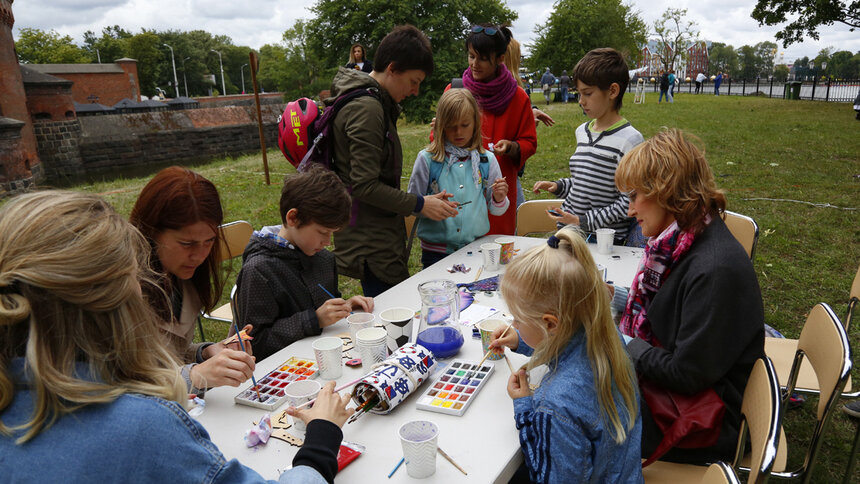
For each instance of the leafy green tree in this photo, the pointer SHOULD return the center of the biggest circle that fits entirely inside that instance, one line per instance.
(748, 62)
(109, 47)
(578, 26)
(765, 53)
(722, 58)
(807, 16)
(780, 73)
(272, 75)
(675, 33)
(35, 46)
(146, 48)
(844, 65)
(339, 23)
(304, 74)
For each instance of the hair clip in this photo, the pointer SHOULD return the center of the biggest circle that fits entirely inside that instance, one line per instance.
(552, 241)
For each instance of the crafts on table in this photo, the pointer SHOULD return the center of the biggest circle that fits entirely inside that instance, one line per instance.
(271, 387)
(456, 388)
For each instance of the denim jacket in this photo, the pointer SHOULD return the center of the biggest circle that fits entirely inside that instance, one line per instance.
(563, 436)
(135, 438)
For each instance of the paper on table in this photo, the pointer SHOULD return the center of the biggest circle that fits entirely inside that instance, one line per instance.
(475, 314)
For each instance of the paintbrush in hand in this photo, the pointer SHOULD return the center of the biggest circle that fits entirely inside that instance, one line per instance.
(490, 351)
(242, 346)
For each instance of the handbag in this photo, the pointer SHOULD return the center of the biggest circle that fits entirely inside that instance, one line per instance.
(687, 421)
(546, 87)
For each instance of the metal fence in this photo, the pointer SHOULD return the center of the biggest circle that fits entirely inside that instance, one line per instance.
(843, 90)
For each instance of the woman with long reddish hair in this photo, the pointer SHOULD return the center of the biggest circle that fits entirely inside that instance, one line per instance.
(179, 212)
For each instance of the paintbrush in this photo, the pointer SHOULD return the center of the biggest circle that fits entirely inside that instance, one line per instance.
(460, 205)
(364, 409)
(480, 270)
(330, 294)
(242, 346)
(509, 364)
(446, 456)
(310, 402)
(490, 351)
(399, 463)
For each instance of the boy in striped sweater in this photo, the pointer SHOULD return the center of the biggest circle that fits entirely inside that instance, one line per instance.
(591, 199)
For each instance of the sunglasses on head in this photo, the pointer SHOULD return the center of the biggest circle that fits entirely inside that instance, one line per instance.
(476, 29)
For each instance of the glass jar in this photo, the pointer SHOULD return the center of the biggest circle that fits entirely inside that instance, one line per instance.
(439, 330)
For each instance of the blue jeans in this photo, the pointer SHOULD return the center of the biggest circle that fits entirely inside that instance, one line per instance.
(564, 94)
(371, 285)
(663, 93)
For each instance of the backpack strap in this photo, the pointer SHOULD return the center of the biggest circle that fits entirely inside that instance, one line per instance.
(434, 169)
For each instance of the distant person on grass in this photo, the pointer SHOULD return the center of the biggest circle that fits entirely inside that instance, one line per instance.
(700, 78)
(368, 158)
(283, 267)
(717, 82)
(358, 59)
(590, 197)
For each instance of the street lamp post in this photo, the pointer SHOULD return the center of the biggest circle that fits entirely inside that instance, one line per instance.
(221, 64)
(243, 77)
(184, 79)
(173, 61)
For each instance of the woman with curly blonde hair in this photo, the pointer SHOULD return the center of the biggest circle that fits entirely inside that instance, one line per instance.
(88, 390)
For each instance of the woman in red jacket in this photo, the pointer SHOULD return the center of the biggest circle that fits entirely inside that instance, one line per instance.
(507, 121)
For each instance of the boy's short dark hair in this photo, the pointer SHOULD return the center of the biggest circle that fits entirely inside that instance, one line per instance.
(407, 48)
(603, 67)
(318, 196)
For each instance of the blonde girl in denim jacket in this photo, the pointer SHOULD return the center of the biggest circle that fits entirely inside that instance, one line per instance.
(581, 423)
(456, 164)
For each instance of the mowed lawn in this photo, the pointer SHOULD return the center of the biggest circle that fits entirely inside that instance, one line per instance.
(793, 166)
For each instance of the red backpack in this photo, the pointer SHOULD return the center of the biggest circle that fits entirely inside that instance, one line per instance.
(304, 134)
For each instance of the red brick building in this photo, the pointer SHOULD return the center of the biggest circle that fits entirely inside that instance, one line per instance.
(106, 84)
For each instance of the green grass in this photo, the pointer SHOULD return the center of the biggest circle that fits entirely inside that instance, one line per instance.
(757, 147)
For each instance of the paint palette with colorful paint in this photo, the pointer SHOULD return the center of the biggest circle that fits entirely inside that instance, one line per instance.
(456, 388)
(271, 386)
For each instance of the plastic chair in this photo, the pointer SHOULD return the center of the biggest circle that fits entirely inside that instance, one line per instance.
(761, 414)
(744, 229)
(782, 352)
(532, 217)
(824, 343)
(720, 473)
(234, 237)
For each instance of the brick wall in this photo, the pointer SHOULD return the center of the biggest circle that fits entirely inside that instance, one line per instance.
(59, 148)
(105, 84)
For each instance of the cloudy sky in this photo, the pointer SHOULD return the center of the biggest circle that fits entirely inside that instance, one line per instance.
(258, 22)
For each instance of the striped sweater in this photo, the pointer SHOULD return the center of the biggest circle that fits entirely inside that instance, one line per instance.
(590, 191)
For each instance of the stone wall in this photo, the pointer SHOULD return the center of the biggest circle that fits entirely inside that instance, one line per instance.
(59, 149)
(124, 140)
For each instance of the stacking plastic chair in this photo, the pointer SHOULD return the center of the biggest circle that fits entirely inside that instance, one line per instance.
(782, 351)
(744, 229)
(532, 217)
(234, 238)
(761, 414)
(720, 473)
(824, 343)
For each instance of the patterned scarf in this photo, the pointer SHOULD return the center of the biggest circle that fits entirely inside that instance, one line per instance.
(493, 96)
(455, 153)
(661, 255)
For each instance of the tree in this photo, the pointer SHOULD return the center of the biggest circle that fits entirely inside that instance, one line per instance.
(844, 65)
(780, 73)
(146, 47)
(35, 46)
(748, 62)
(765, 53)
(808, 16)
(675, 34)
(578, 26)
(339, 23)
(303, 73)
(109, 47)
(722, 58)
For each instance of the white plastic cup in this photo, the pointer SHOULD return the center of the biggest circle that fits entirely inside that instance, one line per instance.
(419, 439)
(299, 392)
(398, 324)
(371, 345)
(492, 255)
(605, 238)
(329, 354)
(359, 321)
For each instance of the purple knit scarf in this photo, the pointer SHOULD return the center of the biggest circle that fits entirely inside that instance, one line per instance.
(493, 96)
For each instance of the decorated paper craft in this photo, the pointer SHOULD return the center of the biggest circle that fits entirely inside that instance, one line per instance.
(488, 284)
(271, 387)
(458, 268)
(260, 432)
(280, 425)
(475, 314)
(393, 380)
(456, 388)
(235, 339)
(439, 313)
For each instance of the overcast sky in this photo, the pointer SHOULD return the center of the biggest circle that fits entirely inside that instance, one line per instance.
(257, 22)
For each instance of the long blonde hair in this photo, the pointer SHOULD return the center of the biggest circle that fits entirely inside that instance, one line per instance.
(512, 60)
(70, 294)
(454, 105)
(564, 282)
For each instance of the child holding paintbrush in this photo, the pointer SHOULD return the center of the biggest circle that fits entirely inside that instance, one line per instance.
(582, 423)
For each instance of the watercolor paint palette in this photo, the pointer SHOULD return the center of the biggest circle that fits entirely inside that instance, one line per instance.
(272, 385)
(456, 388)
